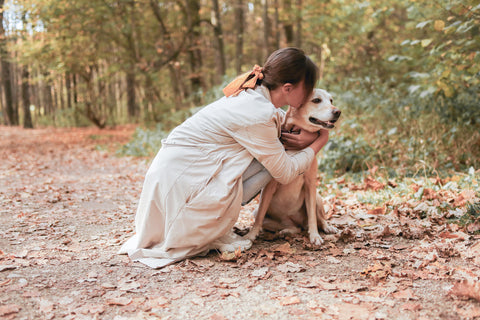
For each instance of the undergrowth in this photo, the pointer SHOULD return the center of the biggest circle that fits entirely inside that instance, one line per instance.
(404, 135)
(404, 132)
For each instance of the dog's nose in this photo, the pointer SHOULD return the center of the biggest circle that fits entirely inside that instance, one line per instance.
(336, 112)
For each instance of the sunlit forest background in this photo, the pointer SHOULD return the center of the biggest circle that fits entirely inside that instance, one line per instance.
(405, 73)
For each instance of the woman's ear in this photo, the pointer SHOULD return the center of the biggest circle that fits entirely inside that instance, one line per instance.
(287, 87)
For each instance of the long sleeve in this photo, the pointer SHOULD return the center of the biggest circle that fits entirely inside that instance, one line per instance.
(262, 142)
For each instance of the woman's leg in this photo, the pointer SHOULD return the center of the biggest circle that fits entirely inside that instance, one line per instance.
(255, 178)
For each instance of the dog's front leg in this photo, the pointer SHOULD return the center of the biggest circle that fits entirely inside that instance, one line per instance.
(310, 204)
(321, 217)
(265, 199)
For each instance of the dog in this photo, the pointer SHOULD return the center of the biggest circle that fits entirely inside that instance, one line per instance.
(288, 208)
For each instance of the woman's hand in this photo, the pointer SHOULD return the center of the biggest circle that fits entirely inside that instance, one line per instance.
(321, 141)
(297, 139)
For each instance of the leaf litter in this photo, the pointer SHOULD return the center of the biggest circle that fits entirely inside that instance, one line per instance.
(406, 249)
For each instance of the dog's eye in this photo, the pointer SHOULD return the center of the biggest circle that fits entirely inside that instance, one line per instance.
(317, 100)
(331, 101)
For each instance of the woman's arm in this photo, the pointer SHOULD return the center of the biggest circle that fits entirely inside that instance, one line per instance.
(300, 139)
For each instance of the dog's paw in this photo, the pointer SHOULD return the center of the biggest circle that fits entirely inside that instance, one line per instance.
(291, 230)
(252, 234)
(315, 239)
(330, 229)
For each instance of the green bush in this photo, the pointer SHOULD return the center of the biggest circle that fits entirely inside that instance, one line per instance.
(392, 128)
(144, 143)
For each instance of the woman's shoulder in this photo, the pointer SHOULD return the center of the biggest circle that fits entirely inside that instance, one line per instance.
(250, 107)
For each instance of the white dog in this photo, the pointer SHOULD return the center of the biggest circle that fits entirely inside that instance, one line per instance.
(288, 208)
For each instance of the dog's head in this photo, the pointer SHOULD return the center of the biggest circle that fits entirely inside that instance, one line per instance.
(318, 112)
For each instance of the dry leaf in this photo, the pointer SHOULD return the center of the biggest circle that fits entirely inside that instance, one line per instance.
(227, 283)
(371, 183)
(377, 211)
(9, 309)
(378, 271)
(291, 267)
(45, 306)
(287, 301)
(159, 302)
(470, 312)
(466, 196)
(119, 301)
(96, 309)
(466, 289)
(231, 256)
(260, 273)
(406, 294)
(284, 248)
(412, 306)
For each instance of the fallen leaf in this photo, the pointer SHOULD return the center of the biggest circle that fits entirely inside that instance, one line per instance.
(371, 183)
(291, 267)
(260, 273)
(284, 248)
(297, 311)
(412, 306)
(231, 256)
(377, 211)
(45, 306)
(448, 235)
(466, 196)
(406, 294)
(470, 312)
(96, 309)
(9, 309)
(227, 283)
(473, 227)
(287, 301)
(429, 194)
(159, 302)
(379, 270)
(119, 301)
(7, 267)
(466, 289)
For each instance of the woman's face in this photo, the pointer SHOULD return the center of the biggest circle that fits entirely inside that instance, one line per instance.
(296, 96)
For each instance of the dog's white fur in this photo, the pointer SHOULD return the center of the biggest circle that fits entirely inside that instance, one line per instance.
(288, 208)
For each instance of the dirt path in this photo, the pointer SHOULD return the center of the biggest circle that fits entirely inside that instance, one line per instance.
(66, 207)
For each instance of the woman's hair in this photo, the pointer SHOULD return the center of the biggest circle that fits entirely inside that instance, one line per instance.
(289, 65)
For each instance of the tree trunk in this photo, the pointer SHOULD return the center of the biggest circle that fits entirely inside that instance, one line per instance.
(239, 24)
(194, 52)
(131, 100)
(277, 27)
(266, 29)
(218, 31)
(47, 92)
(27, 117)
(288, 24)
(298, 37)
(68, 88)
(6, 76)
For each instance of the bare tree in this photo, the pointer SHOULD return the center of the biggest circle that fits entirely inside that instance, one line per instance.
(298, 36)
(27, 117)
(239, 24)
(218, 31)
(12, 116)
(266, 28)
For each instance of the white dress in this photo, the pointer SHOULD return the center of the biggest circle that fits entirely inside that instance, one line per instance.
(193, 189)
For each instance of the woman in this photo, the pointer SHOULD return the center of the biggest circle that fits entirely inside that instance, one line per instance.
(194, 188)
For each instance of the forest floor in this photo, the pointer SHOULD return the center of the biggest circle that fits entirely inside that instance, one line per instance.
(68, 203)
